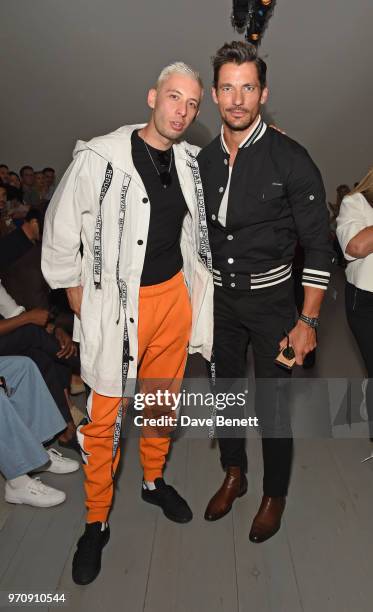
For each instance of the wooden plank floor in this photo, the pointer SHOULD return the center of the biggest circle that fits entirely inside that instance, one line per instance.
(320, 560)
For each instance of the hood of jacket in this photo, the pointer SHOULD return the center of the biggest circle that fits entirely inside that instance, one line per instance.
(116, 147)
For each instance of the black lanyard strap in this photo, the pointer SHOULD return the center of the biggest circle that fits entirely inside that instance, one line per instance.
(97, 244)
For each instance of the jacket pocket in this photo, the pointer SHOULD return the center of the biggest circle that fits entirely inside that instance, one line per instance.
(90, 324)
(272, 191)
(265, 204)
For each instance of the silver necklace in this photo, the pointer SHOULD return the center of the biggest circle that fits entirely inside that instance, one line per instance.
(165, 175)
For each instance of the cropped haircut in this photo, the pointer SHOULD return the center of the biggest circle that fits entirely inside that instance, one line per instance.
(25, 168)
(239, 52)
(178, 68)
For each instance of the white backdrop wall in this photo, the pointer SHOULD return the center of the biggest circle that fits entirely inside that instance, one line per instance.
(79, 68)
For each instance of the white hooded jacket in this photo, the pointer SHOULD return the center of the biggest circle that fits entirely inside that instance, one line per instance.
(72, 218)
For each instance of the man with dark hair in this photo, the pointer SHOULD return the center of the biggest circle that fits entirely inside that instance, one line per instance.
(21, 276)
(263, 192)
(30, 195)
(15, 191)
(239, 53)
(19, 242)
(27, 175)
(4, 174)
(6, 223)
(50, 178)
(11, 192)
(49, 170)
(20, 270)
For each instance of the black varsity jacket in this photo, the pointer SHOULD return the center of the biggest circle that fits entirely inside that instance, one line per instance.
(276, 197)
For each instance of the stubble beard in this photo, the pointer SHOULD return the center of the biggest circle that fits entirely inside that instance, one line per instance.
(241, 127)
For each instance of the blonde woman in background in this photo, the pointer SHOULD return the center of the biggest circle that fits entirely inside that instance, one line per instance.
(355, 234)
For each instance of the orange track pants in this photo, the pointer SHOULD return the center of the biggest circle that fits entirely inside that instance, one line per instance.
(163, 333)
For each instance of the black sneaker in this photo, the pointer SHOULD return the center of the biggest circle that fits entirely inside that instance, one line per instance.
(87, 558)
(173, 505)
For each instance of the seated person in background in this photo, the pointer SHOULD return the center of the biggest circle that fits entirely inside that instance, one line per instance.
(50, 181)
(41, 188)
(20, 270)
(355, 234)
(20, 264)
(5, 182)
(6, 223)
(28, 418)
(23, 333)
(15, 182)
(14, 196)
(30, 195)
(4, 174)
(17, 209)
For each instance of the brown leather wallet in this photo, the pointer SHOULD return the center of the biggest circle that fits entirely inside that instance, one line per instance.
(284, 360)
(286, 357)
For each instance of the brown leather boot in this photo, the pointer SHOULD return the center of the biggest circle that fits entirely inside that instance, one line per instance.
(268, 519)
(234, 485)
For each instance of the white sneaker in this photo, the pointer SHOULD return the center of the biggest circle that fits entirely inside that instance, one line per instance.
(34, 493)
(60, 464)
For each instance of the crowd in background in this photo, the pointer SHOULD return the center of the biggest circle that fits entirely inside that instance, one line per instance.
(20, 192)
(39, 363)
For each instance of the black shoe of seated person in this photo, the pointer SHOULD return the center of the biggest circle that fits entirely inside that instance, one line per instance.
(174, 507)
(72, 443)
(87, 558)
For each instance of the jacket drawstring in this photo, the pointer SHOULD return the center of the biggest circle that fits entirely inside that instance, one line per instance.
(122, 289)
(206, 256)
(97, 245)
(204, 243)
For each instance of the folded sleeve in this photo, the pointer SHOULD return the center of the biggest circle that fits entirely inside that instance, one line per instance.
(61, 258)
(306, 194)
(350, 221)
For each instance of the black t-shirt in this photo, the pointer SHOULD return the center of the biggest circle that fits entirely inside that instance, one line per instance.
(163, 257)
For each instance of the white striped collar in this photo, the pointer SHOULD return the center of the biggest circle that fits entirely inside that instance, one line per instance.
(255, 133)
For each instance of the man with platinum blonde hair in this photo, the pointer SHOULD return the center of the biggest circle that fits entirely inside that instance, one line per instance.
(141, 292)
(179, 68)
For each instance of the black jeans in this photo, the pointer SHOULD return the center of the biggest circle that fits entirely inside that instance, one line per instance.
(260, 317)
(34, 342)
(359, 311)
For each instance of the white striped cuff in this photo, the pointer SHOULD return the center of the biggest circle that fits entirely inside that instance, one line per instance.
(315, 278)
